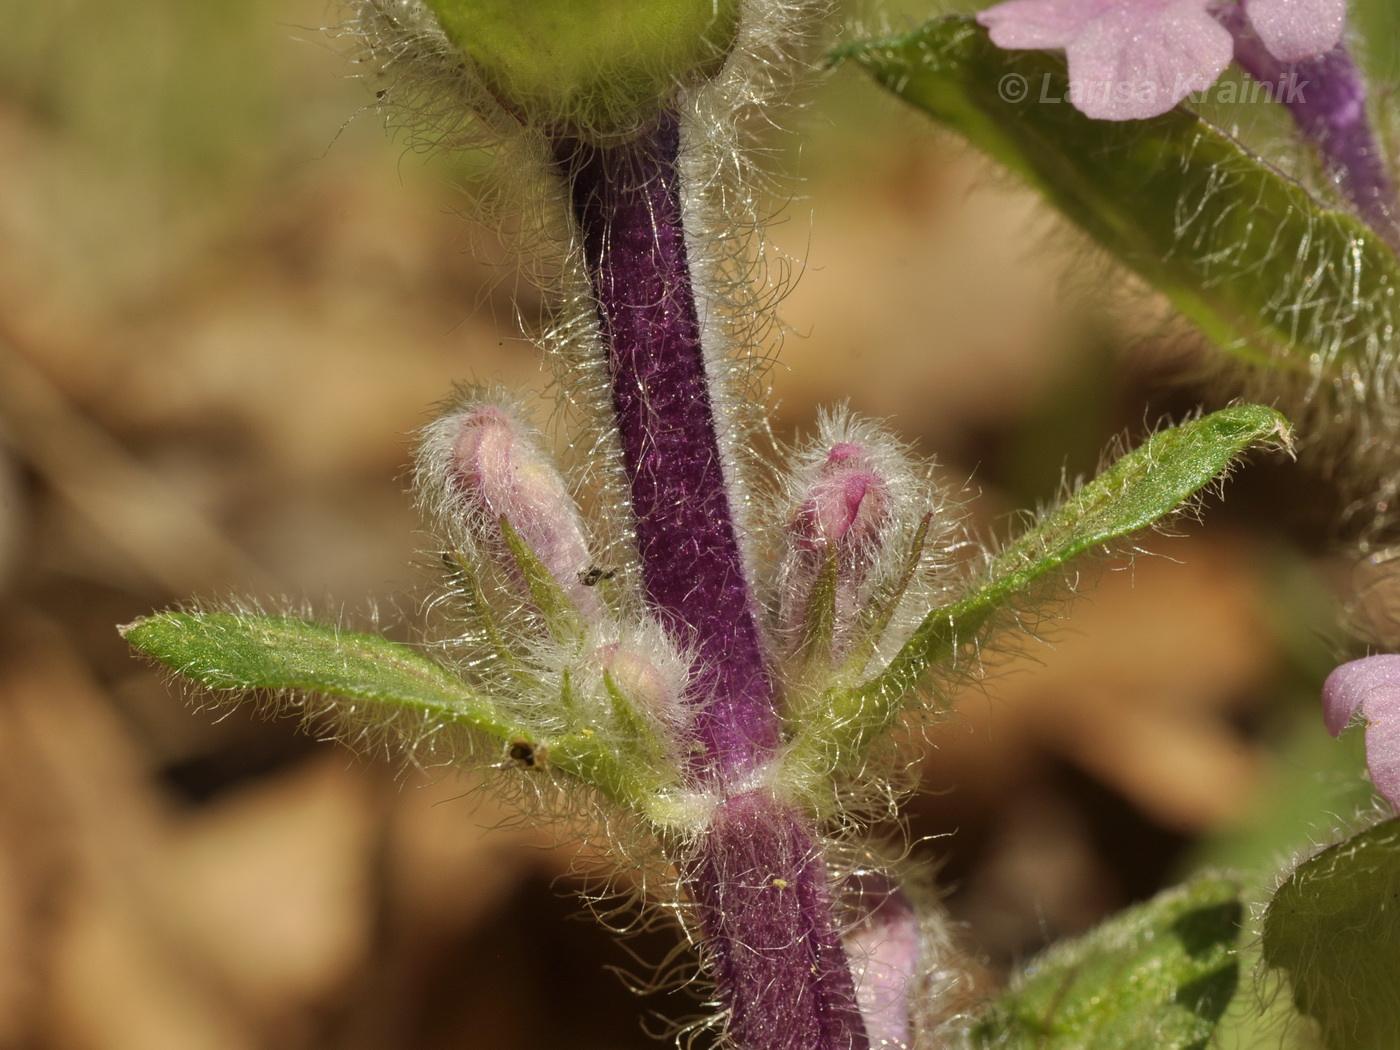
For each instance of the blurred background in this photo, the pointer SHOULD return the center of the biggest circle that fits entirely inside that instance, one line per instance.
(228, 298)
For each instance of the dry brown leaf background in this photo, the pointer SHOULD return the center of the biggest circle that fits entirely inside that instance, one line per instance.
(223, 314)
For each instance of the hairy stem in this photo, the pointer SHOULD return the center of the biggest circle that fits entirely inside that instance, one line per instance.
(765, 907)
(627, 203)
(756, 872)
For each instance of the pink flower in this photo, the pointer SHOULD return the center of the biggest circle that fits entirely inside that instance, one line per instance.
(1131, 59)
(1296, 30)
(1371, 686)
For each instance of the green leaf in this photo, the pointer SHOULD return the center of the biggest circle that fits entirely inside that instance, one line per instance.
(1265, 270)
(1155, 977)
(1141, 488)
(227, 650)
(1334, 926)
(284, 654)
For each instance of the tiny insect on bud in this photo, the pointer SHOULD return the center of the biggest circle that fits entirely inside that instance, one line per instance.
(490, 480)
(522, 754)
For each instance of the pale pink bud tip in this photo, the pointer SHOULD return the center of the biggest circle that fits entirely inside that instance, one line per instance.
(848, 495)
(497, 471)
(1371, 686)
(848, 503)
(645, 685)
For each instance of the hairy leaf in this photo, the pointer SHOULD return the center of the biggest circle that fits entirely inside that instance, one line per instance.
(1334, 926)
(1263, 268)
(1155, 977)
(284, 654)
(1139, 489)
(230, 650)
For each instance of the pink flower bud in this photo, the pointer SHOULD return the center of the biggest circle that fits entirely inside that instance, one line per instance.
(487, 466)
(1371, 686)
(848, 502)
(885, 947)
(844, 507)
(651, 677)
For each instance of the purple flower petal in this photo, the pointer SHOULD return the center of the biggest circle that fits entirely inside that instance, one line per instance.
(1128, 59)
(1383, 747)
(1296, 30)
(1041, 24)
(1371, 686)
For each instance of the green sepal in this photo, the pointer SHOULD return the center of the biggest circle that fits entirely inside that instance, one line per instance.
(633, 729)
(467, 582)
(589, 66)
(870, 636)
(561, 616)
(819, 621)
(375, 679)
(1155, 977)
(1334, 926)
(1139, 489)
(1264, 269)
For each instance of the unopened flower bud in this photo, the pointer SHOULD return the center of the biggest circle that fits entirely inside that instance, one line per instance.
(589, 66)
(651, 676)
(847, 505)
(1370, 686)
(884, 946)
(836, 530)
(488, 475)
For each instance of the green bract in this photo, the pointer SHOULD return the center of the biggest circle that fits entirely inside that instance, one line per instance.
(1142, 487)
(372, 683)
(1156, 977)
(591, 66)
(1334, 927)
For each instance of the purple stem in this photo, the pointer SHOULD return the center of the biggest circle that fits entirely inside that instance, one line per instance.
(626, 200)
(1327, 100)
(774, 952)
(756, 871)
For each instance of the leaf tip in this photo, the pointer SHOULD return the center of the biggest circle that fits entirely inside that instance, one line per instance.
(135, 632)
